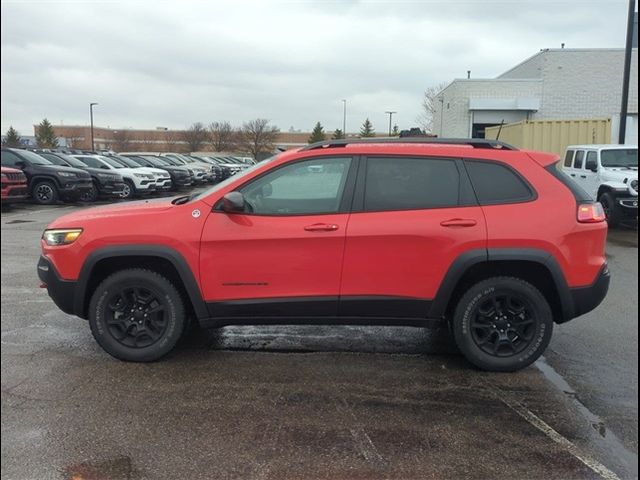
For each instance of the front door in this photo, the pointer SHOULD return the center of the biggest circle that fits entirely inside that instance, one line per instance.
(283, 255)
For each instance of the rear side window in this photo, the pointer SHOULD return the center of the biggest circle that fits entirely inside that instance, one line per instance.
(568, 159)
(579, 162)
(407, 183)
(495, 183)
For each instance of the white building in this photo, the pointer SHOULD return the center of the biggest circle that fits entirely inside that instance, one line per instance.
(553, 84)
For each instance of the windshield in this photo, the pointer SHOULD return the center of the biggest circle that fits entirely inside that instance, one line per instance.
(156, 161)
(112, 161)
(235, 177)
(34, 158)
(74, 162)
(619, 157)
(54, 159)
(129, 162)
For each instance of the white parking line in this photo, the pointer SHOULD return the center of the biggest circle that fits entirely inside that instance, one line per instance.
(545, 428)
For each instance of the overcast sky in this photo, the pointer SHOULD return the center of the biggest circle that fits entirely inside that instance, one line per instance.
(172, 63)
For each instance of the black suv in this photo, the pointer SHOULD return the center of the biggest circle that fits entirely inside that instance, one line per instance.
(47, 182)
(105, 183)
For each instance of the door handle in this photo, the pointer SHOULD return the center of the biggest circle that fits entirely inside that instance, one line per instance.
(583, 176)
(321, 227)
(573, 174)
(459, 222)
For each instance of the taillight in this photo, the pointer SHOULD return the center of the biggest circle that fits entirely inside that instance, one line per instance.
(591, 213)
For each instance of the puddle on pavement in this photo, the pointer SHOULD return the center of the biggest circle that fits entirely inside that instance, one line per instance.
(12, 222)
(608, 437)
(118, 467)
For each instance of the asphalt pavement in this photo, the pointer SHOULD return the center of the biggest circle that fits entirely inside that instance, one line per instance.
(310, 402)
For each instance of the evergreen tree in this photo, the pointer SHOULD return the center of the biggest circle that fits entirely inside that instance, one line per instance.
(317, 135)
(367, 129)
(338, 135)
(12, 138)
(45, 136)
(395, 132)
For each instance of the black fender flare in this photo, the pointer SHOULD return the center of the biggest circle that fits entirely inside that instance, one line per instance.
(39, 177)
(464, 262)
(142, 250)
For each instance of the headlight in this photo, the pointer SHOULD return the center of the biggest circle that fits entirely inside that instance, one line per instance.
(56, 237)
(634, 185)
(66, 174)
(4, 177)
(142, 175)
(106, 176)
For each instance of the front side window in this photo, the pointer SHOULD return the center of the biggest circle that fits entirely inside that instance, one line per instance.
(592, 161)
(10, 159)
(308, 187)
(409, 183)
(579, 161)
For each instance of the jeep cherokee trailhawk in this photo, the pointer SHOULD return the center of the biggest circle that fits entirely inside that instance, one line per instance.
(496, 241)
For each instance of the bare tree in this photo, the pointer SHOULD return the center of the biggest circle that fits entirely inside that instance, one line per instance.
(426, 117)
(171, 140)
(121, 141)
(196, 136)
(222, 136)
(257, 137)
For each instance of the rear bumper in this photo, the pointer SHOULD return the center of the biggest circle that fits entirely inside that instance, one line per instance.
(586, 299)
(62, 292)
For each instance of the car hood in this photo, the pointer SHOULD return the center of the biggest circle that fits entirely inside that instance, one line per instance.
(80, 173)
(81, 217)
(620, 173)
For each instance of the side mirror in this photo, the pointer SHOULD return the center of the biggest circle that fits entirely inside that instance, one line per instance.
(105, 167)
(20, 165)
(233, 202)
(592, 166)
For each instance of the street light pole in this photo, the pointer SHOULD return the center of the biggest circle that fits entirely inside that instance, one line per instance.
(390, 116)
(622, 125)
(93, 146)
(344, 117)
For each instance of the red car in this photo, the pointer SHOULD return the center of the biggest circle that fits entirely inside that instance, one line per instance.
(14, 185)
(496, 241)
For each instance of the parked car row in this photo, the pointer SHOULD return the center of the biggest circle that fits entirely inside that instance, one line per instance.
(48, 176)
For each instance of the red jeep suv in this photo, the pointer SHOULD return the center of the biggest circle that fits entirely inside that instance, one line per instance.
(495, 241)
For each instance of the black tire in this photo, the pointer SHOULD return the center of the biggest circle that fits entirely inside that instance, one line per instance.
(507, 312)
(137, 315)
(611, 210)
(45, 192)
(129, 190)
(92, 194)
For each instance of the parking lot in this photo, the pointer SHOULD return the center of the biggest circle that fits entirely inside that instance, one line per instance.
(318, 402)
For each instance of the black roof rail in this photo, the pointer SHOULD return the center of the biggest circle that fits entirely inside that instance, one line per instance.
(473, 142)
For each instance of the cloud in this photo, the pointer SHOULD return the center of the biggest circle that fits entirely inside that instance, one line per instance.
(170, 64)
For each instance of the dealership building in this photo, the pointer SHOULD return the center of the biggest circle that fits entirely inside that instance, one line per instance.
(554, 84)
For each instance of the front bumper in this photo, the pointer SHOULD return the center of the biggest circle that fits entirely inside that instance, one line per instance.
(14, 191)
(75, 188)
(111, 189)
(62, 292)
(586, 299)
(629, 206)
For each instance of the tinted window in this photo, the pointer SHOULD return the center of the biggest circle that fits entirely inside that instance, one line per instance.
(308, 187)
(34, 158)
(579, 161)
(495, 183)
(9, 159)
(91, 162)
(568, 159)
(54, 159)
(592, 160)
(410, 184)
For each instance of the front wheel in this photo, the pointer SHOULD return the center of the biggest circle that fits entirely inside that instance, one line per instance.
(502, 324)
(137, 315)
(45, 192)
(90, 195)
(129, 190)
(611, 209)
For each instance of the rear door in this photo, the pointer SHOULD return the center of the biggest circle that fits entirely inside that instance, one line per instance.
(578, 168)
(412, 217)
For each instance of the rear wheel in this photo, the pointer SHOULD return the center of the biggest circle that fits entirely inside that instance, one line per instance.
(611, 210)
(137, 315)
(502, 324)
(45, 192)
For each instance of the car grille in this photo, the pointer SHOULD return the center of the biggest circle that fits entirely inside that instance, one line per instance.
(16, 177)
